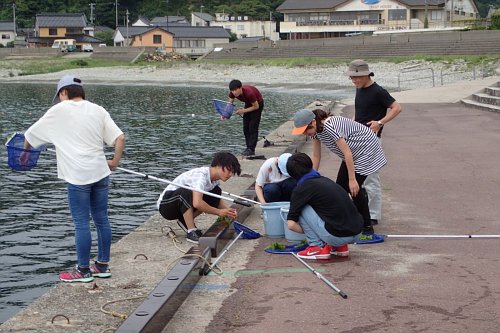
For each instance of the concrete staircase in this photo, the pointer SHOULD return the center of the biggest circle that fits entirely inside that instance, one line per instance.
(488, 99)
(362, 51)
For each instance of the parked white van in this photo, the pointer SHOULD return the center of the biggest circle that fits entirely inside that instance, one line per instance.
(65, 45)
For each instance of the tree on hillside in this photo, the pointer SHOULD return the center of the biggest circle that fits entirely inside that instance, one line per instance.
(495, 21)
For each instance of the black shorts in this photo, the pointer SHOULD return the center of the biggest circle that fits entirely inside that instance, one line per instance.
(175, 203)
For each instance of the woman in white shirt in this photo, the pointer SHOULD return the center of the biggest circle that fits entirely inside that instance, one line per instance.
(78, 129)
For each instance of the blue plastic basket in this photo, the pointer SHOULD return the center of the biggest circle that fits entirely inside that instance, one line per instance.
(225, 109)
(15, 150)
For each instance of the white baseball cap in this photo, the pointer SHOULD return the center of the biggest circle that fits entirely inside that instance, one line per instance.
(282, 159)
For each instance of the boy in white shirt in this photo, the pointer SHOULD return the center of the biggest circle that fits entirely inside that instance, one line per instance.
(273, 182)
(185, 205)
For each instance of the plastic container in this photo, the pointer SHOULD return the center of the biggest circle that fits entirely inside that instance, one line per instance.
(273, 225)
(290, 235)
(21, 159)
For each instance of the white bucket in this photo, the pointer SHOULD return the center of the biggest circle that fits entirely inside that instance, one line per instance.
(290, 235)
(273, 225)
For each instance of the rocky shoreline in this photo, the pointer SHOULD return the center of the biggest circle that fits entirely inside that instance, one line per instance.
(409, 75)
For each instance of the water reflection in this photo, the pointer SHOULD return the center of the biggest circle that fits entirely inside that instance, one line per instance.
(163, 139)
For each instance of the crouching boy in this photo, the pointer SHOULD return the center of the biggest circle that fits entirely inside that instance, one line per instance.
(322, 210)
(185, 205)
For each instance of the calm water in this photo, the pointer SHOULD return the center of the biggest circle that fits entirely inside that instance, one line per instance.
(163, 139)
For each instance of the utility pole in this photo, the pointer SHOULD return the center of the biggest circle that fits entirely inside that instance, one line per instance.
(116, 13)
(128, 41)
(426, 19)
(14, 13)
(167, 13)
(452, 11)
(270, 25)
(92, 5)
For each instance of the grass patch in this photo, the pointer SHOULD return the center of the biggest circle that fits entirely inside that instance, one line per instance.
(55, 64)
(281, 62)
(311, 61)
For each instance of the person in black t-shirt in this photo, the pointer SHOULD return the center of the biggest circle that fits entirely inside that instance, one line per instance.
(322, 210)
(374, 107)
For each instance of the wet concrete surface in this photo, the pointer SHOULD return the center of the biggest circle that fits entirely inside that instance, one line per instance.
(441, 179)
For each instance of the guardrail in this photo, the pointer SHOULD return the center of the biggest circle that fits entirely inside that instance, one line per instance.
(484, 69)
(413, 78)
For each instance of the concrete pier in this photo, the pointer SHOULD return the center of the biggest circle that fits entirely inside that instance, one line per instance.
(441, 178)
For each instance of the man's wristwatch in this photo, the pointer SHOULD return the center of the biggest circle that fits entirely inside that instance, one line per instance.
(380, 124)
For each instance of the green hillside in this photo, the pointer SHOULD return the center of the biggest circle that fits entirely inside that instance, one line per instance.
(105, 13)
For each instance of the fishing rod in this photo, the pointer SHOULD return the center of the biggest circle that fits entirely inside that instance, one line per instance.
(321, 277)
(145, 176)
(213, 265)
(441, 236)
(243, 198)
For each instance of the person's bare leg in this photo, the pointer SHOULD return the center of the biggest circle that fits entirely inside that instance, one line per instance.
(189, 218)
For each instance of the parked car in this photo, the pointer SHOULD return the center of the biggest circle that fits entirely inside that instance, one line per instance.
(60, 43)
(87, 48)
(68, 48)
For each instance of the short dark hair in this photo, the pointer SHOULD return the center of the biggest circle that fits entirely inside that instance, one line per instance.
(234, 84)
(298, 165)
(74, 91)
(226, 160)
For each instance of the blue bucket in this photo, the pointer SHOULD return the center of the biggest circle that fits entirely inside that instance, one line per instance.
(290, 235)
(273, 225)
(21, 159)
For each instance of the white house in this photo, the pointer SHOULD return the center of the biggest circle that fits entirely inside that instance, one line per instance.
(7, 32)
(244, 26)
(337, 18)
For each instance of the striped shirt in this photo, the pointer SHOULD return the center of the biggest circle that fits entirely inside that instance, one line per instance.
(366, 150)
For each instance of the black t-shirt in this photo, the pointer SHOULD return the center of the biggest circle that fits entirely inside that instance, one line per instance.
(331, 202)
(371, 103)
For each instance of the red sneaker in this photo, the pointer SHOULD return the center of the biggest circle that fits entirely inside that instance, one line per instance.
(76, 276)
(340, 251)
(315, 252)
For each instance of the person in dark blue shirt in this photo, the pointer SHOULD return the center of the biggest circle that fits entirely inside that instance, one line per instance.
(322, 210)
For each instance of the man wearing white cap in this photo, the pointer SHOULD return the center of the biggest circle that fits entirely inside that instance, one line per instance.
(78, 129)
(273, 183)
(374, 107)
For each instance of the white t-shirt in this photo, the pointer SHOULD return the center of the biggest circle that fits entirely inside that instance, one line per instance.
(197, 179)
(269, 173)
(78, 130)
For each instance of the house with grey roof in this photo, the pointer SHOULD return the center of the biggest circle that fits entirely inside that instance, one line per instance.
(199, 19)
(188, 40)
(169, 21)
(7, 32)
(142, 21)
(338, 18)
(52, 26)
